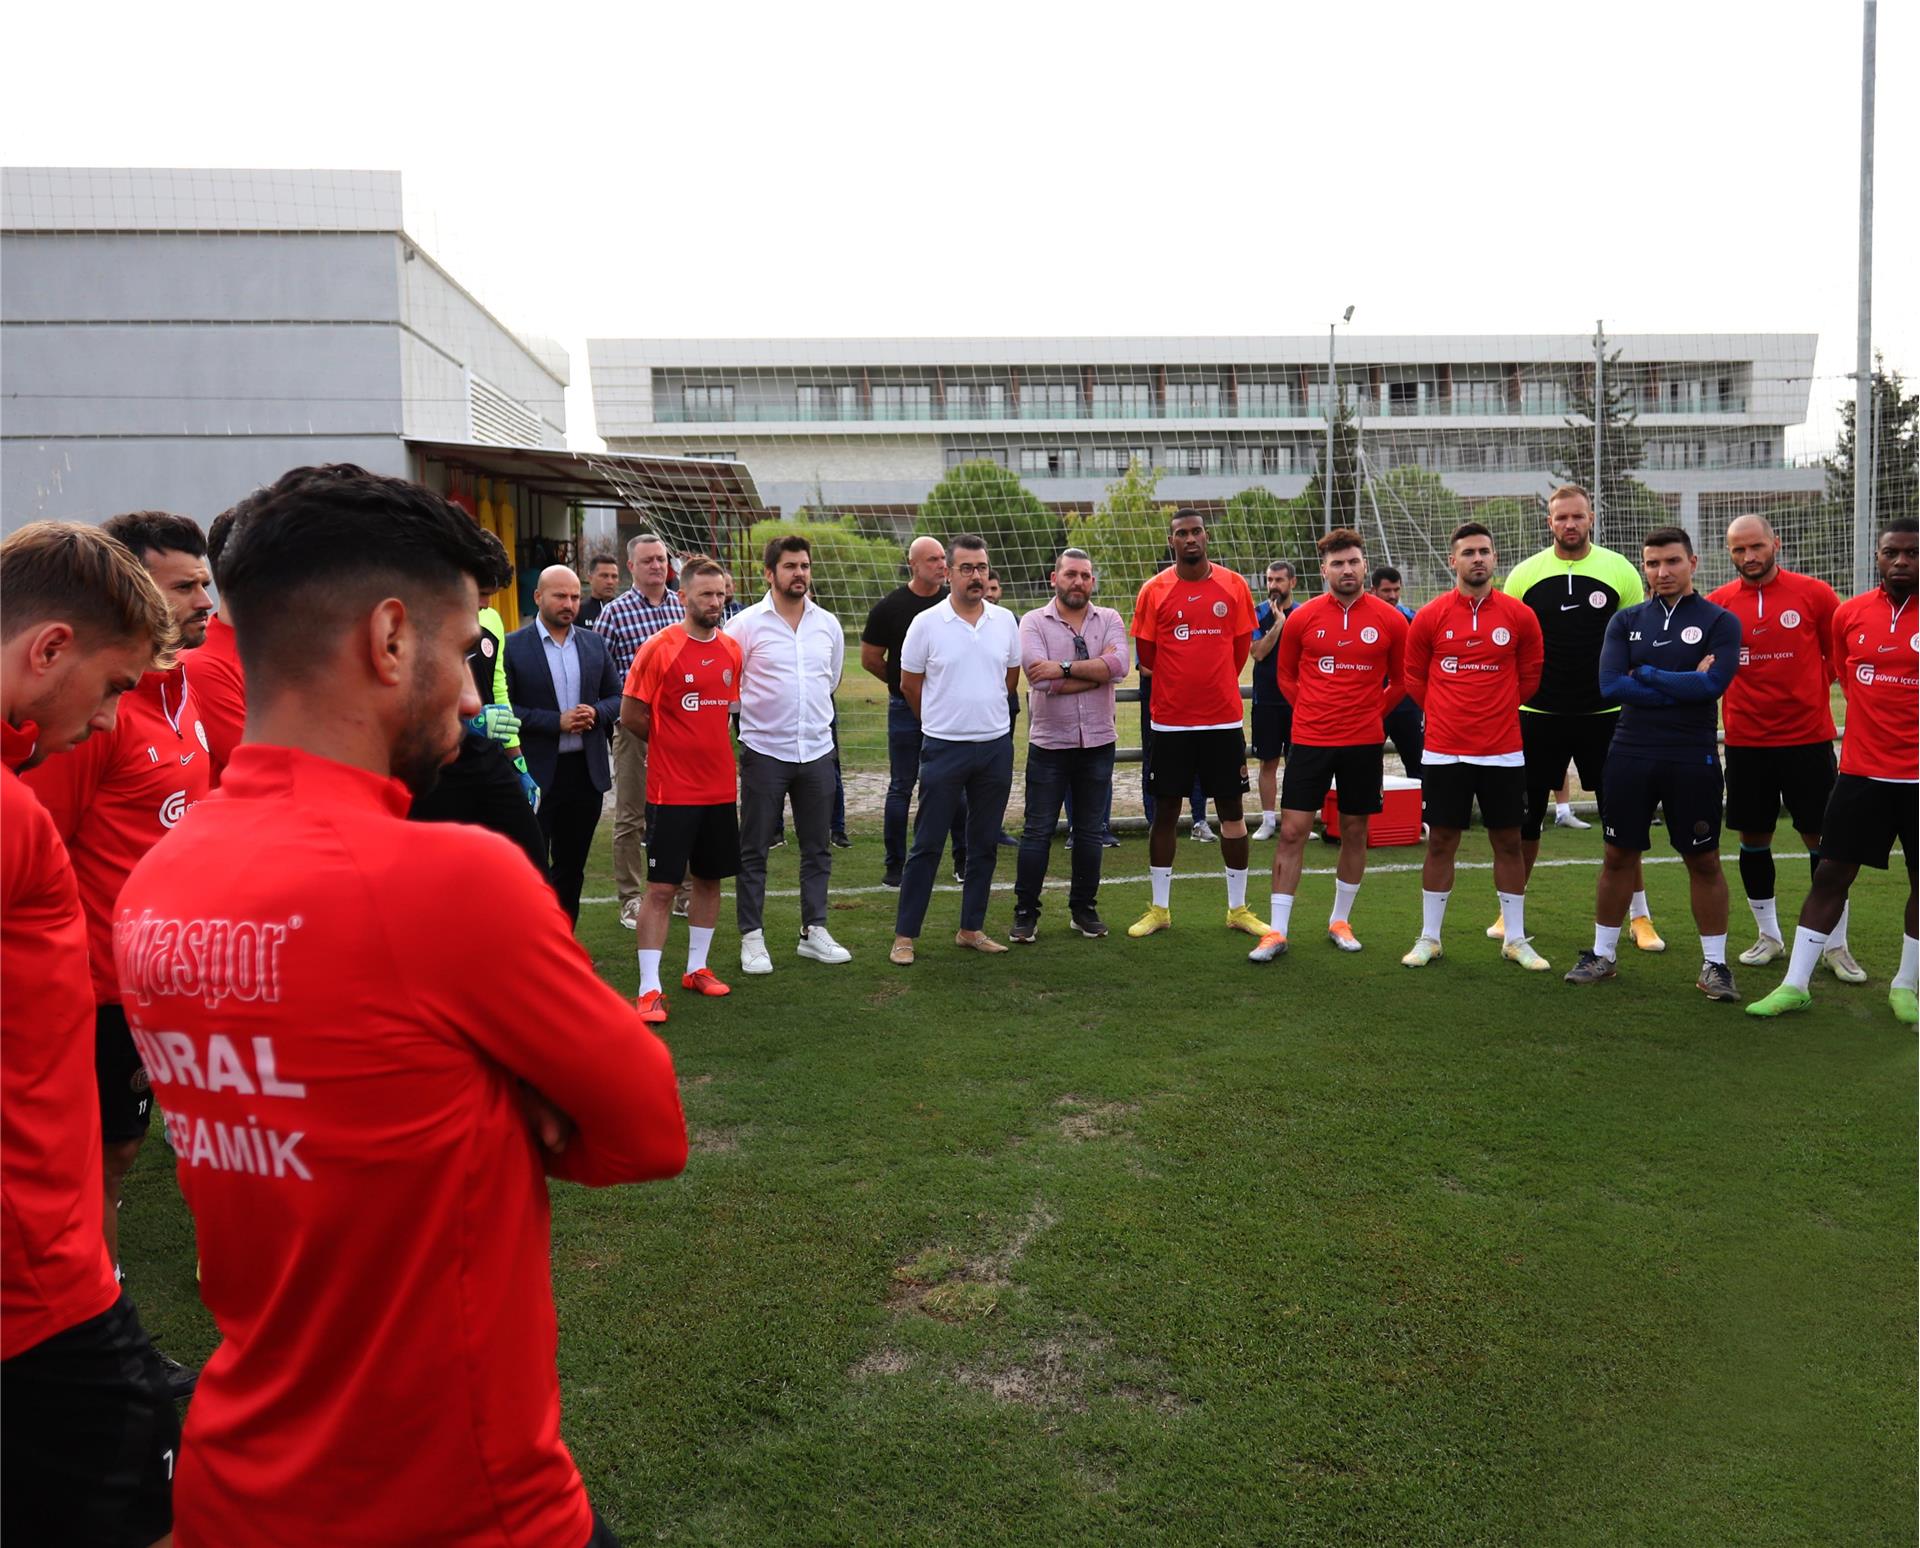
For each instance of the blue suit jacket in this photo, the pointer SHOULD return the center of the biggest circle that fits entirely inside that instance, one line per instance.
(530, 689)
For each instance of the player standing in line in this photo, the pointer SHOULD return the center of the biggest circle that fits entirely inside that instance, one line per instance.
(1574, 587)
(1876, 649)
(1473, 658)
(678, 693)
(1341, 665)
(219, 682)
(88, 1433)
(1192, 629)
(1778, 720)
(1668, 661)
(1272, 715)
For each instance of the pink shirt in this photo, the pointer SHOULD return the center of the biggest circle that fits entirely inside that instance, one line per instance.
(1084, 719)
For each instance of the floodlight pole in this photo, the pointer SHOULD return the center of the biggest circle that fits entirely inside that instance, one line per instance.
(1863, 401)
(1599, 411)
(1333, 394)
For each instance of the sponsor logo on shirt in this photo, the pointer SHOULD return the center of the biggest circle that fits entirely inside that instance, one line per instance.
(175, 806)
(1863, 673)
(1790, 619)
(211, 960)
(1329, 666)
(1691, 634)
(1455, 664)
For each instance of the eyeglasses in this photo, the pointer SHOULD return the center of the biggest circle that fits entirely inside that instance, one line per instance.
(1080, 647)
(971, 569)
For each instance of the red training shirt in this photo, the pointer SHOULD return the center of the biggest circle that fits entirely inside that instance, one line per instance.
(337, 1007)
(54, 1268)
(117, 794)
(688, 684)
(1194, 637)
(1342, 667)
(1779, 696)
(219, 691)
(1876, 650)
(1470, 666)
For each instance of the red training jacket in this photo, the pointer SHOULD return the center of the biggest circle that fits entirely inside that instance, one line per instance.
(1341, 667)
(1876, 650)
(1470, 666)
(219, 691)
(1779, 696)
(337, 1008)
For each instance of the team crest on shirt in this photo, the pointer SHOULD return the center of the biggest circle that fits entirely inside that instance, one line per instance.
(1691, 634)
(1596, 599)
(1914, 643)
(1501, 636)
(1790, 619)
(1219, 610)
(486, 646)
(726, 676)
(1369, 634)
(201, 732)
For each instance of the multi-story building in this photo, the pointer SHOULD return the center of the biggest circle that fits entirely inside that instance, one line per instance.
(875, 423)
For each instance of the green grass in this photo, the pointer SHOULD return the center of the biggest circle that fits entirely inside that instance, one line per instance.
(1131, 1241)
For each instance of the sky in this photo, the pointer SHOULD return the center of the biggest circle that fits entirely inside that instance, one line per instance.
(999, 169)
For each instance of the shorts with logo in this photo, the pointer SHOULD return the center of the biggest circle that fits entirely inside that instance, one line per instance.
(1551, 742)
(1863, 818)
(1762, 780)
(1272, 731)
(1217, 759)
(703, 840)
(1687, 791)
(126, 1097)
(90, 1436)
(1448, 791)
(1352, 772)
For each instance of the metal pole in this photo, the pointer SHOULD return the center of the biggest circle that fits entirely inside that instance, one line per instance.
(1326, 473)
(1863, 461)
(1599, 412)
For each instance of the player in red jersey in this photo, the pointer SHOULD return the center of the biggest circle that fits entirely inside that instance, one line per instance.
(1341, 664)
(219, 681)
(1192, 630)
(1474, 656)
(369, 1061)
(88, 1434)
(676, 699)
(1778, 725)
(1876, 651)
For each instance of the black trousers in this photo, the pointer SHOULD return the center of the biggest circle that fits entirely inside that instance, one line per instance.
(569, 812)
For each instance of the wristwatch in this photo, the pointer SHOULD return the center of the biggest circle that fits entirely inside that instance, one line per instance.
(1066, 669)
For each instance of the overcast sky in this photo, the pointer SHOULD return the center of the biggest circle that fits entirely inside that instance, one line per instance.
(1033, 168)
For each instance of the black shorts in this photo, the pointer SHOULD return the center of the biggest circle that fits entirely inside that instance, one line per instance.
(89, 1435)
(700, 840)
(1551, 742)
(1688, 792)
(1762, 780)
(1352, 772)
(1448, 791)
(1218, 759)
(1863, 818)
(126, 1097)
(1272, 731)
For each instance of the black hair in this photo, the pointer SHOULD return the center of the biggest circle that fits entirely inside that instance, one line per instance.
(1662, 537)
(157, 532)
(786, 543)
(1901, 524)
(968, 540)
(1384, 572)
(1466, 529)
(305, 557)
(1183, 514)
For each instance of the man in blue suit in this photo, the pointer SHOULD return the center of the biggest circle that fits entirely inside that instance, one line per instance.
(561, 682)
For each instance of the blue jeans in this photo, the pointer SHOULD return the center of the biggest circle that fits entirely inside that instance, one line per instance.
(974, 778)
(1054, 774)
(903, 768)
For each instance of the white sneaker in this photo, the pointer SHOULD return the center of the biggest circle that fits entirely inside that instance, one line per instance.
(1840, 963)
(630, 913)
(1201, 832)
(1763, 951)
(1264, 831)
(753, 953)
(816, 944)
(1569, 821)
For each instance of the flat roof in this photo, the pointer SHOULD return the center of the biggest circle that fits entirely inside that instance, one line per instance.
(682, 486)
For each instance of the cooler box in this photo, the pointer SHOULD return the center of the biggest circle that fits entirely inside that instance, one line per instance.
(1397, 821)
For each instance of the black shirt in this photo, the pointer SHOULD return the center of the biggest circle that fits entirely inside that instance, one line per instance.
(887, 626)
(589, 610)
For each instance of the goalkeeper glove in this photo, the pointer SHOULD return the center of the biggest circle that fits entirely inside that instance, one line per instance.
(527, 787)
(498, 723)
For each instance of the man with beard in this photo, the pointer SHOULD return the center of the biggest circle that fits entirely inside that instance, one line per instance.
(1272, 715)
(112, 799)
(603, 585)
(361, 1117)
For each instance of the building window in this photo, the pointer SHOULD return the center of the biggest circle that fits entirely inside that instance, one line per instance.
(1543, 397)
(1479, 397)
(713, 456)
(1049, 400)
(806, 403)
(1193, 400)
(846, 402)
(1265, 400)
(1050, 461)
(1122, 400)
(707, 402)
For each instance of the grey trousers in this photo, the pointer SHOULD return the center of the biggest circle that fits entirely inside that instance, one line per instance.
(765, 784)
(629, 814)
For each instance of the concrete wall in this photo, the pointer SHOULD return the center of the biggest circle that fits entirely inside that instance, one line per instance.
(448, 333)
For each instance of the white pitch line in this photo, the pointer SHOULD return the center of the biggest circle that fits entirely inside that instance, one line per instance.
(1060, 884)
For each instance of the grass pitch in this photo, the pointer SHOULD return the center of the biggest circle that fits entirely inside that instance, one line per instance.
(1133, 1241)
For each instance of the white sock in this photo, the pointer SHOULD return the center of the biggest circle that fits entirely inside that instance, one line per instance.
(1639, 910)
(1343, 895)
(1162, 878)
(1280, 911)
(1513, 913)
(649, 970)
(1433, 912)
(699, 938)
(1562, 810)
(1236, 888)
(1606, 941)
(1807, 946)
(1714, 948)
(1837, 936)
(1909, 975)
(1766, 915)
(1266, 819)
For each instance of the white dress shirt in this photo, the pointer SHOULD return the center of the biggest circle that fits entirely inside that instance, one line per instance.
(964, 698)
(787, 678)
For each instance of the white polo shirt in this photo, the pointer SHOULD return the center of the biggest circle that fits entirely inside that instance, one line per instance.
(965, 665)
(787, 678)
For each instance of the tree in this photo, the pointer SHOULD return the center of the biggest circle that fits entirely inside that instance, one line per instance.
(1258, 527)
(1346, 474)
(1896, 452)
(1024, 535)
(1125, 535)
(1620, 500)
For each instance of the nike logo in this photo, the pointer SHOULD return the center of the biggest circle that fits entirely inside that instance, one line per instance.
(186, 758)
(1658, 643)
(706, 661)
(1568, 607)
(1883, 649)
(1194, 598)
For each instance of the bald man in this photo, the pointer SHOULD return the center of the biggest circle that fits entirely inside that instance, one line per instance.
(1778, 718)
(880, 643)
(564, 689)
